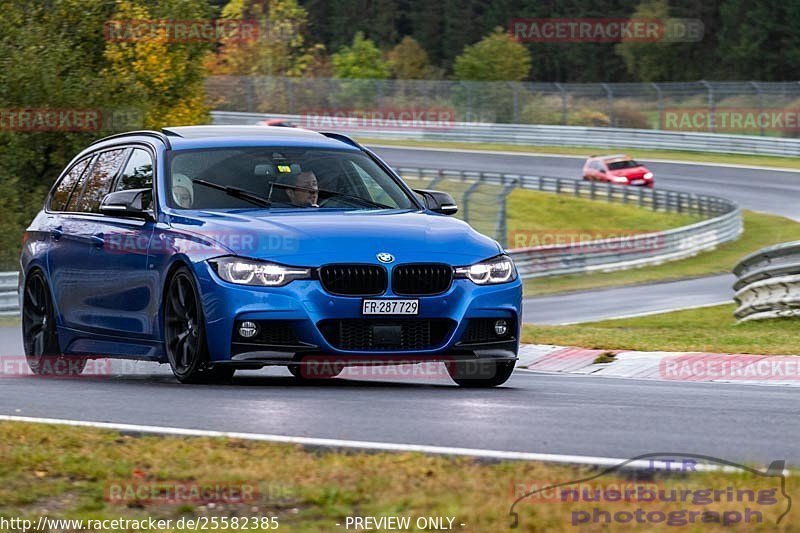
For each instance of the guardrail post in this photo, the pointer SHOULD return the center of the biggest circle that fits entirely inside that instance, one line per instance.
(515, 96)
(711, 125)
(249, 94)
(592, 190)
(610, 97)
(501, 229)
(471, 189)
(660, 105)
(760, 105)
(563, 104)
(439, 176)
(641, 196)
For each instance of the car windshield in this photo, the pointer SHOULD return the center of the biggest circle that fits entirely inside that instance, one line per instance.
(279, 177)
(618, 165)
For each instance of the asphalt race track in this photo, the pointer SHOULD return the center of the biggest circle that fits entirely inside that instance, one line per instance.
(635, 300)
(573, 415)
(542, 413)
(769, 191)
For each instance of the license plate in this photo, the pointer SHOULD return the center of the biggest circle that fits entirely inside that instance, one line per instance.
(637, 182)
(390, 307)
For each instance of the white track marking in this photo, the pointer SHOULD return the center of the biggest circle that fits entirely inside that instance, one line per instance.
(365, 445)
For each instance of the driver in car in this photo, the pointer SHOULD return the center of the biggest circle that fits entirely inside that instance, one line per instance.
(302, 189)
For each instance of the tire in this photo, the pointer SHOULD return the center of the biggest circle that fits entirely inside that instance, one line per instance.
(480, 374)
(185, 335)
(42, 351)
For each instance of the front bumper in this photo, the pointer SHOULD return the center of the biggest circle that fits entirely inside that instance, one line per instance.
(303, 311)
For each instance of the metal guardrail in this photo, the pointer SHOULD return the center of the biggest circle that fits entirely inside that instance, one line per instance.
(724, 223)
(768, 284)
(535, 135)
(9, 298)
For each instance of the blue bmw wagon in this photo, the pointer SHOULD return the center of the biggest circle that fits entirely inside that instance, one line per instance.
(222, 248)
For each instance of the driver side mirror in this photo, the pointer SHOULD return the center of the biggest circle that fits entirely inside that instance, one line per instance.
(134, 203)
(438, 201)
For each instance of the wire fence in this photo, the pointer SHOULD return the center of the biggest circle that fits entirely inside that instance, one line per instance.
(751, 107)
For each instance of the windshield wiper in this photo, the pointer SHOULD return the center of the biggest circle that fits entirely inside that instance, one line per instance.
(236, 192)
(364, 201)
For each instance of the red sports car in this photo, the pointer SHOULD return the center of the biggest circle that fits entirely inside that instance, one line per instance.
(617, 169)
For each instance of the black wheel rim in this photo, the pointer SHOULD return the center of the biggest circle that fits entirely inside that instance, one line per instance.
(182, 324)
(37, 324)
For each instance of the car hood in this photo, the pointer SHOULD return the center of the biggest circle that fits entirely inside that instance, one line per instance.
(632, 173)
(313, 238)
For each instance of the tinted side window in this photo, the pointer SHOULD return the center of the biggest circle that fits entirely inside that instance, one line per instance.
(98, 183)
(138, 173)
(60, 197)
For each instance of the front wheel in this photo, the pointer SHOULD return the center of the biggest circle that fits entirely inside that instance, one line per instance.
(480, 374)
(185, 335)
(40, 341)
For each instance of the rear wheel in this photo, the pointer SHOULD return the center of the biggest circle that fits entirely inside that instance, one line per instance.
(480, 374)
(185, 335)
(40, 340)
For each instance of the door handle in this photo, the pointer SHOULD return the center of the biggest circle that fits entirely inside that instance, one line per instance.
(57, 233)
(98, 239)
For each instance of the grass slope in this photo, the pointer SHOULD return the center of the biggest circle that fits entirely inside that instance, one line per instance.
(63, 472)
(760, 230)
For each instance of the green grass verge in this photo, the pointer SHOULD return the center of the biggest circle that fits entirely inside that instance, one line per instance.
(63, 472)
(541, 218)
(538, 218)
(8, 321)
(760, 230)
(708, 329)
(695, 157)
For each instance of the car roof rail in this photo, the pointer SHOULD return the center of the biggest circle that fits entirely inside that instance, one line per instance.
(149, 133)
(339, 137)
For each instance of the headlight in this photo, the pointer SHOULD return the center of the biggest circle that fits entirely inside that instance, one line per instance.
(648, 175)
(257, 273)
(497, 270)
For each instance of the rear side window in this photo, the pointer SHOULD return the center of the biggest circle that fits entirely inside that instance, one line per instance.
(60, 197)
(138, 172)
(99, 180)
